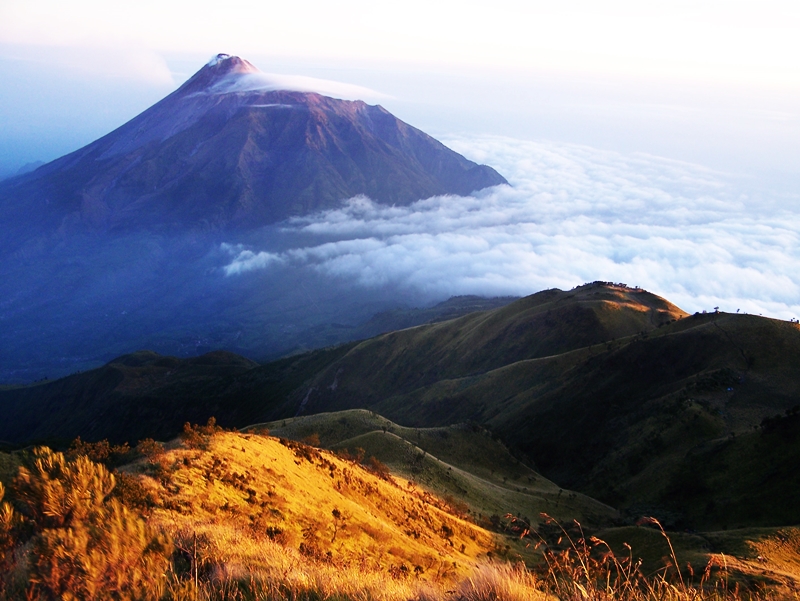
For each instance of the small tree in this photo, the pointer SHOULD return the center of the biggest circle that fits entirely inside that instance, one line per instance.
(339, 522)
(377, 467)
(150, 449)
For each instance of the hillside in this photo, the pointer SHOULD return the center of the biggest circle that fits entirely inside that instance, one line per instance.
(220, 514)
(224, 514)
(239, 488)
(609, 391)
(545, 324)
(147, 395)
(602, 399)
(462, 462)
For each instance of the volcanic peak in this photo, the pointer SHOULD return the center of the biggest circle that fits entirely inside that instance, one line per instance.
(221, 68)
(224, 152)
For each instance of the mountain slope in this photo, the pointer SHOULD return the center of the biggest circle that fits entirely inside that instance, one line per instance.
(545, 324)
(229, 151)
(243, 487)
(618, 419)
(608, 390)
(147, 395)
(460, 462)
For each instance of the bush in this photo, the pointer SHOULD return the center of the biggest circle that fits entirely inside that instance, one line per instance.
(55, 492)
(195, 436)
(72, 541)
(111, 555)
(377, 467)
(312, 440)
(133, 494)
(151, 449)
(99, 452)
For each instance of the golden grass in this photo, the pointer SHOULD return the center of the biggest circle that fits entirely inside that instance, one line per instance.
(247, 517)
(243, 491)
(254, 518)
(493, 581)
(460, 461)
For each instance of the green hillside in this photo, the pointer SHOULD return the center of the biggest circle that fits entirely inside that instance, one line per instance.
(461, 462)
(617, 418)
(542, 325)
(147, 395)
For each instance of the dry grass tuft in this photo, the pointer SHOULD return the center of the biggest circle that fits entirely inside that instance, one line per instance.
(494, 581)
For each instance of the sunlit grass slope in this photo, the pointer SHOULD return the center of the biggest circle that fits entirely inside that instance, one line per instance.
(244, 489)
(227, 515)
(461, 462)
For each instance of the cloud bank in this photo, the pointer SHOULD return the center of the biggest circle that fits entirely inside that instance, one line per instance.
(572, 214)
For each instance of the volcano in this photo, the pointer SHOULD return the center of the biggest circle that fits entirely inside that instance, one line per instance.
(232, 150)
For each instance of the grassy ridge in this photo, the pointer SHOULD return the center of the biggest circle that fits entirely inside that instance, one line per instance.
(461, 462)
(623, 420)
(242, 488)
(545, 324)
(145, 394)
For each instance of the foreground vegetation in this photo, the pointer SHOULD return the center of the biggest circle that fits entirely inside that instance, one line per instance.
(211, 517)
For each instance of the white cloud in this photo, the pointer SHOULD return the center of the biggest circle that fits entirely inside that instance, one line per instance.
(573, 214)
(247, 260)
(267, 82)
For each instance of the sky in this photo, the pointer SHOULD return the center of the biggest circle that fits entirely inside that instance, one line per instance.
(648, 137)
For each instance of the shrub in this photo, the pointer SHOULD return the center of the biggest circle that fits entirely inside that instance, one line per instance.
(377, 467)
(75, 543)
(99, 452)
(111, 555)
(55, 491)
(312, 440)
(196, 436)
(133, 494)
(151, 449)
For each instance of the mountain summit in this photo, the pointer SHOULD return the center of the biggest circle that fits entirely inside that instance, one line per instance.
(232, 149)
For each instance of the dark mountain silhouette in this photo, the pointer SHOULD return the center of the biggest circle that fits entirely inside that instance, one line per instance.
(227, 151)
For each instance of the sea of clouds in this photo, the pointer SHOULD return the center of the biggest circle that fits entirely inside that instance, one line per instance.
(572, 214)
